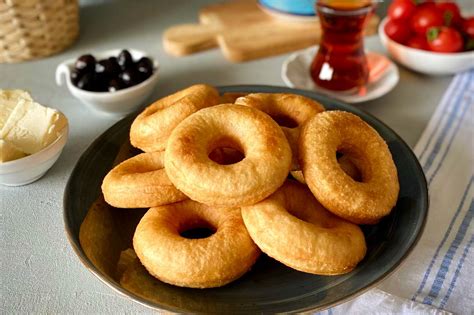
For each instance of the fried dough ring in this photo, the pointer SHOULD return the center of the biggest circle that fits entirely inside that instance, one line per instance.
(196, 263)
(344, 162)
(290, 111)
(140, 182)
(265, 166)
(152, 127)
(363, 202)
(294, 228)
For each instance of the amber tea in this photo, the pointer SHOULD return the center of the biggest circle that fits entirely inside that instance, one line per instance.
(340, 63)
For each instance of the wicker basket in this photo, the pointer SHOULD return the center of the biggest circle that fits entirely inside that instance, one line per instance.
(32, 29)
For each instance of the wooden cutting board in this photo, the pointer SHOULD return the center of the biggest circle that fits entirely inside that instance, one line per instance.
(244, 32)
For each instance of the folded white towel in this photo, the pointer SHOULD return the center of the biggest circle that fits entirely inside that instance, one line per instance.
(377, 301)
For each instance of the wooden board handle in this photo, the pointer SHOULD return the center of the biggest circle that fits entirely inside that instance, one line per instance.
(264, 40)
(185, 39)
(249, 41)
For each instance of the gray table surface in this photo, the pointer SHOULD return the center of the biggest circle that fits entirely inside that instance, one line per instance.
(39, 272)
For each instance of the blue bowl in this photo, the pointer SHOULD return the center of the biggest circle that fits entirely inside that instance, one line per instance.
(299, 7)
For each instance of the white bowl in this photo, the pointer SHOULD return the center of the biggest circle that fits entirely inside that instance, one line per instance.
(30, 168)
(427, 62)
(118, 103)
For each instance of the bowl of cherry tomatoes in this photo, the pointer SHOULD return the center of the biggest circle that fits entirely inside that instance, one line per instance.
(429, 37)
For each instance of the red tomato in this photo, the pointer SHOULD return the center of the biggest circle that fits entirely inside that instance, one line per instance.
(397, 30)
(451, 13)
(426, 17)
(468, 26)
(401, 9)
(444, 39)
(418, 42)
(426, 4)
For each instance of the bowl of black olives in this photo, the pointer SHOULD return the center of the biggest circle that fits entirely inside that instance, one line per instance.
(115, 82)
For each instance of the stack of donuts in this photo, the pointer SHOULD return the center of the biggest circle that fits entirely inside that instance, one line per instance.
(223, 163)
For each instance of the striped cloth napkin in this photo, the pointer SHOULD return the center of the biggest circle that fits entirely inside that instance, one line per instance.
(438, 276)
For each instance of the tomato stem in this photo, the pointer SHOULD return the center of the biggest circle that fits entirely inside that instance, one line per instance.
(448, 18)
(470, 44)
(432, 33)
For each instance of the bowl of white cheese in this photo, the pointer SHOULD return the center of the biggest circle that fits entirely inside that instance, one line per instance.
(32, 138)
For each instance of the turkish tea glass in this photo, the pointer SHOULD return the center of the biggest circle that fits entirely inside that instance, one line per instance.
(340, 63)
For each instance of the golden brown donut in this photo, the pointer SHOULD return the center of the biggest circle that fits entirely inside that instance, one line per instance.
(344, 162)
(290, 111)
(152, 127)
(140, 182)
(265, 166)
(294, 228)
(361, 202)
(196, 263)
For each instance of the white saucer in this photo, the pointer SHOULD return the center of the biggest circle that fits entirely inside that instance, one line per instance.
(295, 74)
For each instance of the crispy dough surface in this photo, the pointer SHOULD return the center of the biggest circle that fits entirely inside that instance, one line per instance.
(265, 166)
(299, 109)
(295, 229)
(344, 162)
(364, 202)
(152, 127)
(198, 263)
(140, 182)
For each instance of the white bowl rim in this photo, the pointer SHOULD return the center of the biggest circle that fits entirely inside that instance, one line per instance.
(69, 63)
(31, 157)
(461, 54)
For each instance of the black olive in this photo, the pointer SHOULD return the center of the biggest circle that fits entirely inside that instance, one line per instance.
(94, 82)
(76, 76)
(114, 62)
(125, 59)
(130, 77)
(145, 67)
(101, 82)
(107, 67)
(86, 82)
(85, 63)
(115, 85)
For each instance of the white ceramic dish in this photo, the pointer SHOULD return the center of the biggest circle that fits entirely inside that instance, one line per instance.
(295, 74)
(30, 168)
(423, 61)
(119, 103)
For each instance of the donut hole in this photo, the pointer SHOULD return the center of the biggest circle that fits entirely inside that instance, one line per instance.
(308, 215)
(301, 215)
(226, 151)
(285, 121)
(197, 230)
(349, 167)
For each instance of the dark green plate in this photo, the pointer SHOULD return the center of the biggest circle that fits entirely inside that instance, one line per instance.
(270, 286)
